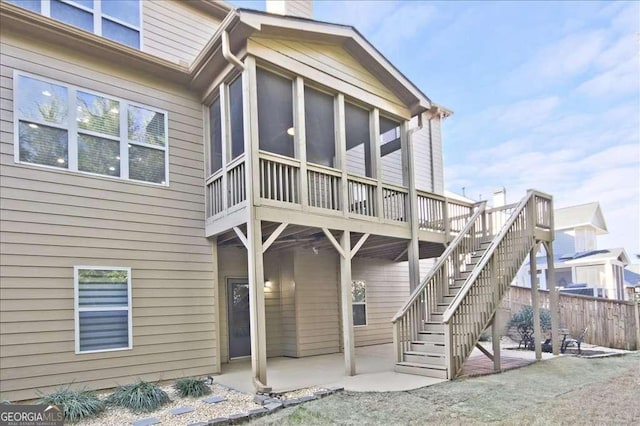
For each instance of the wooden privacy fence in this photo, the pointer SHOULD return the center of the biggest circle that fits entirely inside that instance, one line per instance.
(611, 323)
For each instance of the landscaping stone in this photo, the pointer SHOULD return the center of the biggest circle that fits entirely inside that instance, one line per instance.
(238, 417)
(198, 424)
(258, 411)
(214, 399)
(181, 410)
(146, 422)
(307, 398)
(291, 402)
(322, 393)
(272, 401)
(272, 406)
(260, 399)
(218, 421)
(336, 388)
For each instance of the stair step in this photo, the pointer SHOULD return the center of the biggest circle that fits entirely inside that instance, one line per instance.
(433, 326)
(448, 299)
(437, 316)
(421, 369)
(443, 306)
(430, 347)
(424, 348)
(431, 336)
(432, 360)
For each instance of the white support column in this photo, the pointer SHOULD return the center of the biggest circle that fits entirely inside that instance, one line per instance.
(535, 301)
(300, 139)
(341, 151)
(553, 299)
(256, 303)
(495, 324)
(346, 302)
(409, 178)
(254, 230)
(216, 286)
(225, 126)
(376, 160)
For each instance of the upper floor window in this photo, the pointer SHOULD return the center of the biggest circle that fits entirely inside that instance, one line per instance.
(117, 20)
(71, 128)
(275, 113)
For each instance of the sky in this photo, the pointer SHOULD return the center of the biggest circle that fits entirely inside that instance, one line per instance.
(546, 95)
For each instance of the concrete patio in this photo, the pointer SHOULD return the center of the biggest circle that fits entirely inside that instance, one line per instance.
(374, 367)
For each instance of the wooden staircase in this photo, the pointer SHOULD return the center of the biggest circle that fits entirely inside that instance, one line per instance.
(438, 327)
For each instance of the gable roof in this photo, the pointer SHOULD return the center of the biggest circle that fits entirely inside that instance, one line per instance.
(588, 214)
(353, 42)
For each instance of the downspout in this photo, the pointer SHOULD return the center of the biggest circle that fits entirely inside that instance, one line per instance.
(226, 52)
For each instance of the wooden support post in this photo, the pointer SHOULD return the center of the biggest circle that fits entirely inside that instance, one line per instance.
(553, 300)
(535, 301)
(300, 140)
(253, 240)
(216, 285)
(637, 314)
(408, 172)
(495, 340)
(341, 152)
(495, 330)
(346, 300)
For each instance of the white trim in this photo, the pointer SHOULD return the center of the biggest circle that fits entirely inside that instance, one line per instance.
(77, 309)
(73, 131)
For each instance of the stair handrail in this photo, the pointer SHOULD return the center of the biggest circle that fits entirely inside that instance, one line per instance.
(453, 306)
(481, 207)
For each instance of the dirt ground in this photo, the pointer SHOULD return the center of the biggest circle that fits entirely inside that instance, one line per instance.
(565, 390)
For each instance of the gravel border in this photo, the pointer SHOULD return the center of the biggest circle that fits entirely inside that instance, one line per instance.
(238, 407)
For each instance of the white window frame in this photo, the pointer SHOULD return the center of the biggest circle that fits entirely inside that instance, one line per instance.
(73, 131)
(366, 310)
(96, 12)
(78, 309)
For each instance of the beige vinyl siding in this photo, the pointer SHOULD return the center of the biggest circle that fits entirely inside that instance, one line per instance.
(289, 339)
(175, 31)
(427, 154)
(53, 220)
(272, 307)
(387, 288)
(317, 318)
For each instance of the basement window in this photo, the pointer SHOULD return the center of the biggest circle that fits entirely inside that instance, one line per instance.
(102, 309)
(359, 302)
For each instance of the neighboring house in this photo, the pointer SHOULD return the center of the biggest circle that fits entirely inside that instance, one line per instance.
(184, 184)
(580, 266)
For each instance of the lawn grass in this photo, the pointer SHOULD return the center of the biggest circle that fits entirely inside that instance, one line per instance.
(565, 390)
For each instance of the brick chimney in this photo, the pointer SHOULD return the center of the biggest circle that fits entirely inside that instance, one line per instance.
(299, 8)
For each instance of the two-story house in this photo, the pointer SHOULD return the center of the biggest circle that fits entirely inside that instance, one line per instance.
(580, 266)
(184, 184)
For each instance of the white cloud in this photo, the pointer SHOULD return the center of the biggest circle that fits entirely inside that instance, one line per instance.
(622, 79)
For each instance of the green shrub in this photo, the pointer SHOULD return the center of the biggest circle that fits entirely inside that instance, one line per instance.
(192, 387)
(139, 396)
(76, 405)
(524, 318)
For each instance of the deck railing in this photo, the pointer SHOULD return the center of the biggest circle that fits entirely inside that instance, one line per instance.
(280, 181)
(279, 178)
(424, 299)
(237, 189)
(215, 194)
(362, 195)
(324, 186)
(394, 203)
(474, 305)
